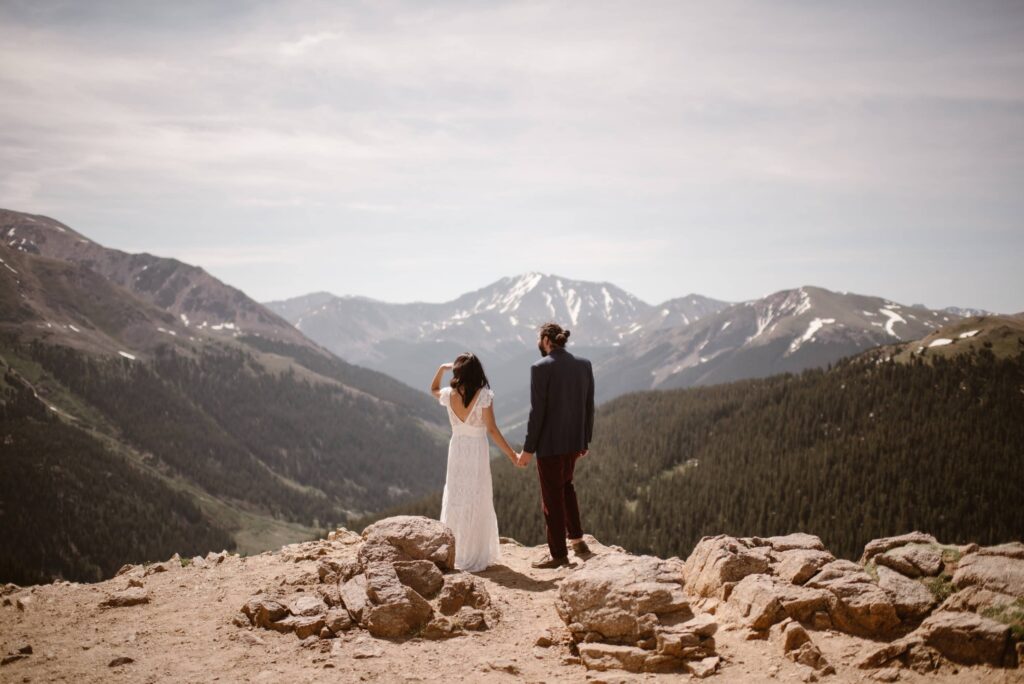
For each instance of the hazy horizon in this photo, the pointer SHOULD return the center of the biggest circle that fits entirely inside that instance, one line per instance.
(414, 152)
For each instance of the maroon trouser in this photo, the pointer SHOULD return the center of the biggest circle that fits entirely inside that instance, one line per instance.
(558, 497)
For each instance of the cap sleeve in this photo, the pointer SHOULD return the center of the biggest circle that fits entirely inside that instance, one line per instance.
(443, 398)
(486, 397)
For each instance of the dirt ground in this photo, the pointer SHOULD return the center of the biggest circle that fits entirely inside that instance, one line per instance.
(185, 634)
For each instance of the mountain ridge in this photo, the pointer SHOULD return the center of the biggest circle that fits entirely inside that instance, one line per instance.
(243, 422)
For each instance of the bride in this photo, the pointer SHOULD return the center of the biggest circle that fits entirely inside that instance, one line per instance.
(467, 506)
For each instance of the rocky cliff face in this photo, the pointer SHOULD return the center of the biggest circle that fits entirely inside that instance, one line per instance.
(388, 606)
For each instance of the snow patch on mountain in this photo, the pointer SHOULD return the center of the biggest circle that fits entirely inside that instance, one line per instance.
(814, 326)
(893, 317)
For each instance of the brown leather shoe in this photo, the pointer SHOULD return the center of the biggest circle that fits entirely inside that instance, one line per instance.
(580, 548)
(548, 562)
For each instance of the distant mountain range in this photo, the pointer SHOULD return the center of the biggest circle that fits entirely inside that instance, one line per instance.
(498, 322)
(146, 407)
(691, 340)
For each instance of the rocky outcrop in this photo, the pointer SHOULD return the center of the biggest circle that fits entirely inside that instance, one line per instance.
(980, 622)
(382, 582)
(645, 614)
(762, 581)
(630, 612)
(793, 583)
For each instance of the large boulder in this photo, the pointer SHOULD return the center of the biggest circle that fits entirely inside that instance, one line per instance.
(968, 638)
(790, 542)
(799, 565)
(911, 599)
(1008, 550)
(399, 618)
(877, 546)
(620, 597)
(913, 560)
(974, 599)
(999, 572)
(759, 601)
(409, 538)
(395, 610)
(716, 563)
(858, 605)
(421, 575)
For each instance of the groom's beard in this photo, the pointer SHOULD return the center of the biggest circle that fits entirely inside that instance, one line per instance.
(543, 352)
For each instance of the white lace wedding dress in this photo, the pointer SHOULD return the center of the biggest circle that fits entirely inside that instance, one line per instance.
(467, 506)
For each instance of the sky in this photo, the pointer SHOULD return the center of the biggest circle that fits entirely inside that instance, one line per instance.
(414, 151)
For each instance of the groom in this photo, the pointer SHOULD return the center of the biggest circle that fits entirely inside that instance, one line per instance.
(559, 430)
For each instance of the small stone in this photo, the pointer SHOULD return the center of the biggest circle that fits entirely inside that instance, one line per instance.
(889, 674)
(307, 606)
(120, 660)
(367, 651)
(704, 667)
(472, 619)
(154, 569)
(264, 611)
(503, 666)
(129, 597)
(338, 620)
(440, 627)
(793, 637)
(13, 658)
(252, 639)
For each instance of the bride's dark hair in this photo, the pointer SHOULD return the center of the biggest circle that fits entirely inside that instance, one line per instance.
(468, 376)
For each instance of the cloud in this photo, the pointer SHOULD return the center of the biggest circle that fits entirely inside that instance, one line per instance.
(593, 120)
(300, 46)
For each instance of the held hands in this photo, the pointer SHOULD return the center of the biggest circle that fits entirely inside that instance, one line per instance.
(523, 459)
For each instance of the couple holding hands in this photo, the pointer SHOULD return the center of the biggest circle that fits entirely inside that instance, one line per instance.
(558, 433)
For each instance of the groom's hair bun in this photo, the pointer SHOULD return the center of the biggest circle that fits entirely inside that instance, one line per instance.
(555, 333)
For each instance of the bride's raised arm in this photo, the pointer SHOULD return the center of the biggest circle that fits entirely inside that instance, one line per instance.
(435, 385)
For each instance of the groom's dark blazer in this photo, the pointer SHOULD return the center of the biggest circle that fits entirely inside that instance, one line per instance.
(561, 405)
